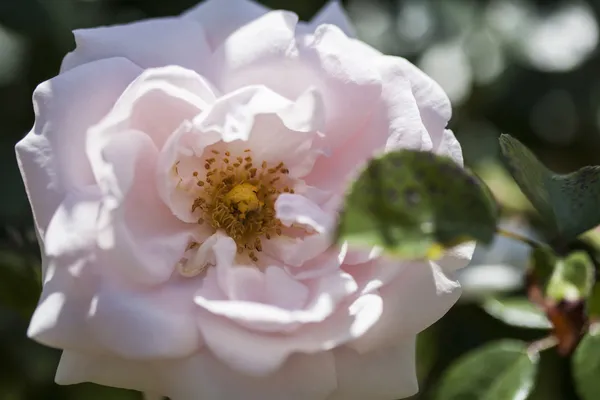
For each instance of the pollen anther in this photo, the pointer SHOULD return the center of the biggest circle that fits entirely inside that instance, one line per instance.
(240, 201)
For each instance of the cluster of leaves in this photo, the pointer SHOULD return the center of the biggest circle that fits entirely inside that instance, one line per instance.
(416, 205)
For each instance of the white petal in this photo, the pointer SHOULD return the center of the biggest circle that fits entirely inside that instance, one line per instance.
(297, 209)
(74, 226)
(157, 103)
(382, 374)
(273, 127)
(147, 324)
(275, 314)
(394, 122)
(270, 37)
(149, 43)
(457, 257)
(450, 147)
(52, 157)
(333, 13)
(141, 241)
(60, 319)
(220, 18)
(254, 353)
(281, 290)
(302, 377)
(419, 296)
(401, 114)
(267, 52)
(434, 105)
(75, 367)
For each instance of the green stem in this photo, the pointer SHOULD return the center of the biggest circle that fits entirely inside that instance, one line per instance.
(540, 345)
(515, 236)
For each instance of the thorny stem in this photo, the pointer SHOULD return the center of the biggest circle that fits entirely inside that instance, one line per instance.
(540, 345)
(515, 236)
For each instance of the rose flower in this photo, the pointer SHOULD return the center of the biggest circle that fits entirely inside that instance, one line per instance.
(185, 176)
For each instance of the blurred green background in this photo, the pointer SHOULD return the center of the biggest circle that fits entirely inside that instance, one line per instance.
(526, 67)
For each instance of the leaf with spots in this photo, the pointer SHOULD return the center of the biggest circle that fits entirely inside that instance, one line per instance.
(567, 203)
(415, 204)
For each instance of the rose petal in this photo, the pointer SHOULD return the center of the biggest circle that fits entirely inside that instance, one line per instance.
(434, 105)
(147, 324)
(268, 38)
(350, 86)
(433, 102)
(270, 301)
(450, 147)
(457, 257)
(180, 150)
(358, 256)
(282, 291)
(296, 209)
(233, 115)
(401, 115)
(74, 226)
(274, 287)
(375, 273)
(255, 118)
(51, 157)
(302, 377)
(296, 252)
(150, 43)
(319, 266)
(257, 354)
(219, 18)
(75, 367)
(142, 241)
(382, 374)
(157, 103)
(60, 319)
(333, 13)
(264, 314)
(74, 308)
(396, 123)
(422, 285)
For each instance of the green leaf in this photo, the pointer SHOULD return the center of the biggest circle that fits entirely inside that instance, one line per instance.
(517, 311)
(415, 204)
(501, 370)
(503, 187)
(586, 366)
(567, 203)
(542, 261)
(594, 303)
(572, 279)
(569, 278)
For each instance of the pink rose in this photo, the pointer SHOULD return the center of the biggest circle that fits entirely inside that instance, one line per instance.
(185, 176)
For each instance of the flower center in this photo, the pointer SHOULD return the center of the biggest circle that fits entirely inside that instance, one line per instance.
(244, 198)
(239, 198)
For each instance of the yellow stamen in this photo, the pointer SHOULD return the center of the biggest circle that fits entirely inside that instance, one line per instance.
(238, 196)
(244, 198)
